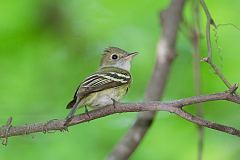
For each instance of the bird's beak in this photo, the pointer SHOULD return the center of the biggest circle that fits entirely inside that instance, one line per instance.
(131, 55)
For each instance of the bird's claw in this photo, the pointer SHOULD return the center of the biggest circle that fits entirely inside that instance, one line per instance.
(86, 111)
(114, 102)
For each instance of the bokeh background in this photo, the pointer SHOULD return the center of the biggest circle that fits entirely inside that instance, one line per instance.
(48, 47)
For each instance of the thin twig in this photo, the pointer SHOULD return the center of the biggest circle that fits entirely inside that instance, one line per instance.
(217, 71)
(210, 22)
(209, 17)
(195, 39)
(197, 83)
(229, 24)
(209, 60)
(7, 128)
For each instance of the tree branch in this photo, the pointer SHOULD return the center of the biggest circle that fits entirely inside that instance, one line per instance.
(170, 20)
(171, 106)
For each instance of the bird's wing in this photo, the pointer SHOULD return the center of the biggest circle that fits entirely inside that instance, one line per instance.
(105, 79)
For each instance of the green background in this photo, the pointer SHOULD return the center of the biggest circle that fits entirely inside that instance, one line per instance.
(48, 47)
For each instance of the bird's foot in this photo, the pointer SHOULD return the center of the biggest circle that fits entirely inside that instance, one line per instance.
(114, 102)
(86, 111)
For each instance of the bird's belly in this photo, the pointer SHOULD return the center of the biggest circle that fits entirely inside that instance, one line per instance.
(103, 98)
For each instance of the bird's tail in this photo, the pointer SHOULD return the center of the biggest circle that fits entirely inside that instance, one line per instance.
(74, 107)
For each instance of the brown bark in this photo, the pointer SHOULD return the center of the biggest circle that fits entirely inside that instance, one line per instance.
(175, 107)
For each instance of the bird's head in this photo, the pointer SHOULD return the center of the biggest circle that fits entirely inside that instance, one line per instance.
(116, 57)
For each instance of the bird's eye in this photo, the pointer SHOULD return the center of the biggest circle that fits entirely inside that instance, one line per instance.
(114, 56)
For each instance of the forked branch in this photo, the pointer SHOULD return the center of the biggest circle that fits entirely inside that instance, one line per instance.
(171, 106)
(208, 59)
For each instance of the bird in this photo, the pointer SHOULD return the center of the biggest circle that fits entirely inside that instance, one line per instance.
(107, 85)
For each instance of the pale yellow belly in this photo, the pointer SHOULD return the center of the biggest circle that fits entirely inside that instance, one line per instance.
(103, 98)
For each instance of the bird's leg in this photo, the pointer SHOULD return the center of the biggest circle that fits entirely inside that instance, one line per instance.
(86, 111)
(114, 102)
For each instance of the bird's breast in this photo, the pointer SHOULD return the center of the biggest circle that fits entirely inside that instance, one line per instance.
(103, 98)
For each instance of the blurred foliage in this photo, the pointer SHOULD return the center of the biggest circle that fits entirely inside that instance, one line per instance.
(48, 47)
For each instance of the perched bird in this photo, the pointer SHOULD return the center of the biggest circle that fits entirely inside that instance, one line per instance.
(107, 85)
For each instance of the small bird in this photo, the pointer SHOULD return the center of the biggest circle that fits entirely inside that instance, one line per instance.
(109, 84)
